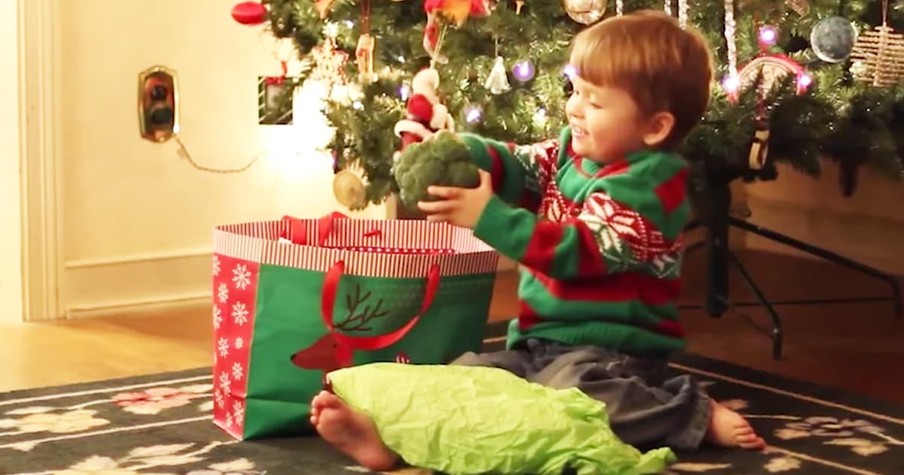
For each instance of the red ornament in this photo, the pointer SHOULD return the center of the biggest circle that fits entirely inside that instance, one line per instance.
(249, 13)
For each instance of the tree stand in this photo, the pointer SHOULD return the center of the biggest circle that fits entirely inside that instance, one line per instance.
(717, 222)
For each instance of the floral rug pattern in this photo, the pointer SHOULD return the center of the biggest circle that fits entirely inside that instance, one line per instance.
(162, 425)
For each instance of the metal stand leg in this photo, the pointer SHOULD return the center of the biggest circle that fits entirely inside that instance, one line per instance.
(824, 254)
(777, 334)
(717, 259)
(713, 190)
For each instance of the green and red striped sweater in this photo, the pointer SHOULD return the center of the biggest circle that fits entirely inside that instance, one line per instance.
(599, 245)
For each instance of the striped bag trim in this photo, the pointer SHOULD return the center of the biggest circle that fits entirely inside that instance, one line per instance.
(369, 247)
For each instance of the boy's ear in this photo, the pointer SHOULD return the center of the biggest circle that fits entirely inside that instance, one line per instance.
(658, 128)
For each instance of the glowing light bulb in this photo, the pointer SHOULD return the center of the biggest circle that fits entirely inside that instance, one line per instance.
(804, 81)
(731, 83)
(540, 117)
(523, 70)
(768, 35)
(404, 91)
(570, 71)
(473, 113)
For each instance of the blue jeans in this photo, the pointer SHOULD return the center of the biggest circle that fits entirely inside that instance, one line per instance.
(645, 409)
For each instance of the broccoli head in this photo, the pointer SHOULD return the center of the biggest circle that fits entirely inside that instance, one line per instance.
(443, 160)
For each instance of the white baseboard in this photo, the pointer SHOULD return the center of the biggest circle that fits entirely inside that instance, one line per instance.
(140, 308)
(136, 284)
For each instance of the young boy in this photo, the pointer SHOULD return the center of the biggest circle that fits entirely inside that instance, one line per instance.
(596, 223)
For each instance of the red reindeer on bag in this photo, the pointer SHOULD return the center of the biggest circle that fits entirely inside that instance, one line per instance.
(336, 348)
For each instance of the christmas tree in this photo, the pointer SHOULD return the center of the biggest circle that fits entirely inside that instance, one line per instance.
(796, 80)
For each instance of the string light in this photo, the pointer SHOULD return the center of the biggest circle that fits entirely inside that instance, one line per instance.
(540, 117)
(767, 36)
(404, 91)
(473, 113)
(804, 81)
(570, 71)
(523, 70)
(619, 7)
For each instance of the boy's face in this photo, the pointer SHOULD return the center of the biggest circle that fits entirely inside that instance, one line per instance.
(606, 123)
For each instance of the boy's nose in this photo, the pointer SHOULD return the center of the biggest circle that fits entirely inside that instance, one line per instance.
(571, 109)
(573, 113)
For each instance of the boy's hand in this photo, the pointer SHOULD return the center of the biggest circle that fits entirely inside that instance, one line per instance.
(458, 206)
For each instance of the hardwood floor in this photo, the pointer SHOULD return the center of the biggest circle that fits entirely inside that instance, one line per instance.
(856, 346)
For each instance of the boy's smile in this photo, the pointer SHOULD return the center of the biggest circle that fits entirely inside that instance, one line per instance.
(605, 122)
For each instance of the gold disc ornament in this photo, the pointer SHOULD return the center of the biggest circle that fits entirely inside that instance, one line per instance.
(769, 69)
(585, 11)
(348, 188)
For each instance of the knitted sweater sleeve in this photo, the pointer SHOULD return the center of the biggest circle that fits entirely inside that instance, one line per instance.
(628, 222)
(520, 173)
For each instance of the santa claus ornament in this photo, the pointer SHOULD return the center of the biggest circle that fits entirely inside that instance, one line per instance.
(425, 112)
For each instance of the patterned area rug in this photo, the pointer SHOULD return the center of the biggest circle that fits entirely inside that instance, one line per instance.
(162, 425)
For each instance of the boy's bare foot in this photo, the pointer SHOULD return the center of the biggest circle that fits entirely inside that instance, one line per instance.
(729, 429)
(351, 432)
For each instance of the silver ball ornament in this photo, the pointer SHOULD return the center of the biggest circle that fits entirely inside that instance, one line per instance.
(833, 38)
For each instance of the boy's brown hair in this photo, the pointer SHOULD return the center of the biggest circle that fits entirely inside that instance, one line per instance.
(663, 67)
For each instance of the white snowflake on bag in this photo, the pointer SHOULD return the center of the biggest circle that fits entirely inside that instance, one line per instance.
(237, 371)
(217, 317)
(224, 381)
(216, 266)
(223, 293)
(229, 419)
(239, 313)
(238, 412)
(218, 397)
(223, 347)
(239, 343)
(241, 276)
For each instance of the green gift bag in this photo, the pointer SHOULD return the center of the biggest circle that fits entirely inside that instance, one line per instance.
(294, 299)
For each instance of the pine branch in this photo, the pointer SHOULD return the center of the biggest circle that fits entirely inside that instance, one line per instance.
(837, 118)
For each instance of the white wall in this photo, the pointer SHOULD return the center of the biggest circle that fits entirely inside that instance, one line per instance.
(137, 218)
(867, 227)
(10, 203)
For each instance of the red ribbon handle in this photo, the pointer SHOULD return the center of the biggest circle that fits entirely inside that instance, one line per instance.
(377, 342)
(298, 231)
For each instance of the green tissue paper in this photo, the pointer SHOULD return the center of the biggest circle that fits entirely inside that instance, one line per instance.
(476, 420)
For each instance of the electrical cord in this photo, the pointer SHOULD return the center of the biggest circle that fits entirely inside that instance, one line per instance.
(183, 151)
